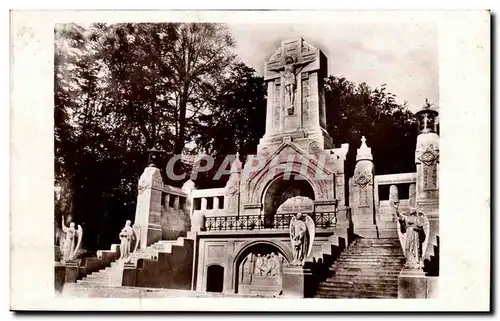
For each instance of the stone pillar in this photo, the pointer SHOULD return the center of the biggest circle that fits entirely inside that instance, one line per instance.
(167, 200)
(427, 164)
(216, 203)
(413, 196)
(298, 282)
(362, 196)
(148, 210)
(203, 203)
(176, 201)
(393, 199)
(232, 192)
(72, 268)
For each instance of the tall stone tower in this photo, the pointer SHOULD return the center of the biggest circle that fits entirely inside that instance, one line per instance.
(295, 96)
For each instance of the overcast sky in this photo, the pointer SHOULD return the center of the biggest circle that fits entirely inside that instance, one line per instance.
(404, 56)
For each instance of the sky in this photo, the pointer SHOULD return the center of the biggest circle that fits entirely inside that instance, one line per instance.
(402, 55)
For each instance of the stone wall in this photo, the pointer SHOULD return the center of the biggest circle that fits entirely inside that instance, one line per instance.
(226, 249)
(170, 270)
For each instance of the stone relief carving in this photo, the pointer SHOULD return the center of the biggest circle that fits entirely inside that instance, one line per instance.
(429, 176)
(305, 98)
(277, 103)
(428, 156)
(143, 185)
(288, 71)
(314, 147)
(363, 179)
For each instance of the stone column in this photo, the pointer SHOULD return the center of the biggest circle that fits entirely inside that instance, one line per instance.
(413, 196)
(216, 203)
(176, 201)
(393, 199)
(203, 203)
(362, 198)
(148, 210)
(427, 164)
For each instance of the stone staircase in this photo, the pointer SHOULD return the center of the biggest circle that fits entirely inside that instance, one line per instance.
(112, 276)
(369, 268)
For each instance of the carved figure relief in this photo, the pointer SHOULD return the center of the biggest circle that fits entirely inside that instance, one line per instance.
(288, 71)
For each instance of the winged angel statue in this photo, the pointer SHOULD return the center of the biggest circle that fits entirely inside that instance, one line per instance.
(302, 232)
(70, 241)
(129, 237)
(413, 231)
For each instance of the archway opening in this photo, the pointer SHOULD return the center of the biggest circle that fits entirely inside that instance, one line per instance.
(259, 270)
(215, 278)
(281, 189)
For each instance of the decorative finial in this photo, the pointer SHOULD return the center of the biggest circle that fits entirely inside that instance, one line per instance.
(364, 152)
(363, 142)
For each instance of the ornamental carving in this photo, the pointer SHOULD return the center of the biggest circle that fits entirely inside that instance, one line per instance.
(363, 179)
(428, 156)
(143, 185)
(314, 147)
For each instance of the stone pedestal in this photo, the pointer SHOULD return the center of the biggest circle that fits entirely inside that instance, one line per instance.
(298, 282)
(129, 274)
(71, 274)
(59, 276)
(413, 284)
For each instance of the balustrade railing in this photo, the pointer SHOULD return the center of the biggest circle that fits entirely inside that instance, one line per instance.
(260, 222)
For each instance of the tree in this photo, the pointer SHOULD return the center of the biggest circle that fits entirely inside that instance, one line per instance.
(239, 117)
(356, 110)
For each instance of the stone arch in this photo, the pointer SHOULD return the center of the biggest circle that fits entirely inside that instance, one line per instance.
(260, 182)
(278, 190)
(245, 248)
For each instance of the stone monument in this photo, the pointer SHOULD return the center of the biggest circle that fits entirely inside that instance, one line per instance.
(295, 95)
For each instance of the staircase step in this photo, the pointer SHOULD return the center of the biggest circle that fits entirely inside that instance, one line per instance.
(362, 279)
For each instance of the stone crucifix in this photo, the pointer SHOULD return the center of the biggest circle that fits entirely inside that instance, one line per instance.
(289, 72)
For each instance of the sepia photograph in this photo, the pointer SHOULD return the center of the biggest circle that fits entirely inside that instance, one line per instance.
(245, 159)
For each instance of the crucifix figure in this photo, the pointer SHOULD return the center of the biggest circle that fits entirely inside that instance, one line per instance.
(289, 72)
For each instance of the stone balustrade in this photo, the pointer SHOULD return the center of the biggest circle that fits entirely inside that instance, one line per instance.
(209, 202)
(260, 222)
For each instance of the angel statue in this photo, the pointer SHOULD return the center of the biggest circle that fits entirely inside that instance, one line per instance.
(302, 232)
(68, 239)
(289, 72)
(413, 234)
(128, 235)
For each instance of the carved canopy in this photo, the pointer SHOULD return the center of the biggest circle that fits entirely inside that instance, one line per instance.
(297, 204)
